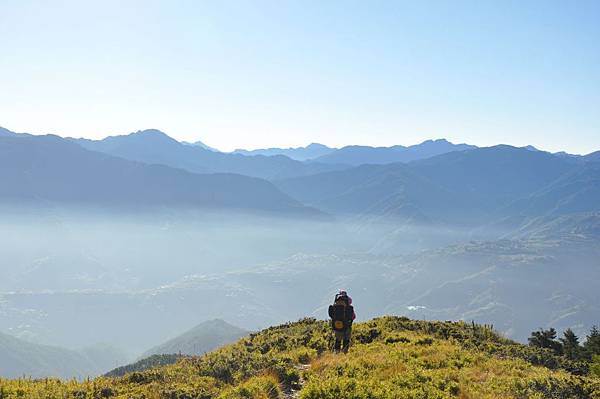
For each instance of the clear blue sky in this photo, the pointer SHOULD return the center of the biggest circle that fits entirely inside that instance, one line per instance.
(286, 73)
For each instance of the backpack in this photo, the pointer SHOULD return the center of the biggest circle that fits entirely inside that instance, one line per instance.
(341, 315)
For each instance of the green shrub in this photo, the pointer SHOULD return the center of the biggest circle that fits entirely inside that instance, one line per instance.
(595, 366)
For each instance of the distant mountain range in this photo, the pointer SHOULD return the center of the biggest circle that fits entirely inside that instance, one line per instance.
(49, 169)
(355, 155)
(574, 192)
(464, 187)
(593, 157)
(307, 153)
(432, 182)
(21, 358)
(155, 147)
(359, 155)
(7, 133)
(201, 145)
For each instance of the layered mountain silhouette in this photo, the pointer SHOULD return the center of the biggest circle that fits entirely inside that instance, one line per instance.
(358, 155)
(435, 181)
(201, 145)
(307, 153)
(22, 358)
(593, 157)
(203, 338)
(7, 133)
(375, 189)
(495, 175)
(461, 186)
(574, 192)
(49, 169)
(155, 147)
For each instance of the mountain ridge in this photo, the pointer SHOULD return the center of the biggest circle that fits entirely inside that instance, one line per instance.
(155, 147)
(307, 153)
(51, 169)
(464, 187)
(357, 155)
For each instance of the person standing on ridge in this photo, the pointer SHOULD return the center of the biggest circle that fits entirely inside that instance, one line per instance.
(342, 315)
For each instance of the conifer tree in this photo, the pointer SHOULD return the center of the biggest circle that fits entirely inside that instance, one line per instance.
(592, 342)
(546, 339)
(570, 344)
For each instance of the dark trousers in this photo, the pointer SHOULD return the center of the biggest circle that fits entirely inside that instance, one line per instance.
(342, 340)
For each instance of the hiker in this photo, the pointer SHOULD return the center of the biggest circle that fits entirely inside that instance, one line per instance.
(342, 315)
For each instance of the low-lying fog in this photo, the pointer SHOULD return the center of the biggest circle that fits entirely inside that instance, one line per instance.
(57, 249)
(77, 278)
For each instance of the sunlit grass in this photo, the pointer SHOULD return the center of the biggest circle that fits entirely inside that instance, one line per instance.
(391, 358)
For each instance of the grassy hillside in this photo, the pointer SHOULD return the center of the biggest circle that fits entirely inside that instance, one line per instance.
(392, 357)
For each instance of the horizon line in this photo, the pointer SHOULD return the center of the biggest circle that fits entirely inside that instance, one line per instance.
(533, 147)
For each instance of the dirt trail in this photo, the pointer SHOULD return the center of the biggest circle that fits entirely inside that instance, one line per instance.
(294, 392)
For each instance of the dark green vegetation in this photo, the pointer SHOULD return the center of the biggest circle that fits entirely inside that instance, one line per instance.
(391, 358)
(569, 347)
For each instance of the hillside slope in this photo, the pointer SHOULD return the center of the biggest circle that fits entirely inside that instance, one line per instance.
(155, 147)
(575, 192)
(203, 338)
(19, 357)
(460, 187)
(49, 169)
(391, 358)
(359, 155)
(309, 152)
